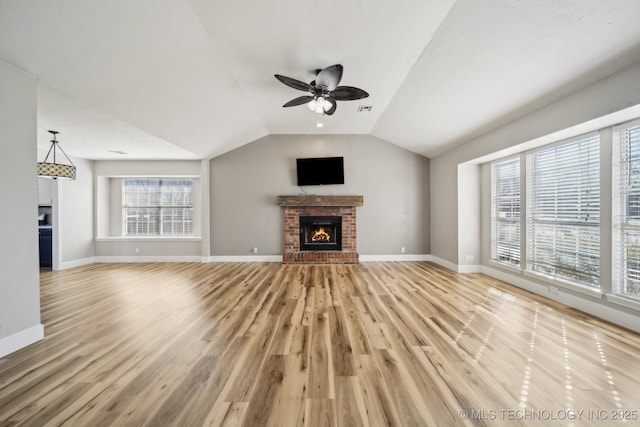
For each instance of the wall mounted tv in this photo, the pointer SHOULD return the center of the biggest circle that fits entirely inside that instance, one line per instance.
(320, 171)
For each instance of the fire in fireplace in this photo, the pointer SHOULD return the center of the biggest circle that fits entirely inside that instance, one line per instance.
(320, 233)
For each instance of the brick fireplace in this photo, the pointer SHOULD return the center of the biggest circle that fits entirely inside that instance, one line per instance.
(320, 207)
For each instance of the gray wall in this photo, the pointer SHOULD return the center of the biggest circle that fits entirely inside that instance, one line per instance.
(19, 279)
(75, 210)
(245, 183)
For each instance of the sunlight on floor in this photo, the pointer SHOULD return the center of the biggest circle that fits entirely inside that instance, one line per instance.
(524, 390)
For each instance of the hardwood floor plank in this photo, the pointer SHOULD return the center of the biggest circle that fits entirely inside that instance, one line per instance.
(56, 410)
(348, 409)
(320, 358)
(360, 342)
(290, 403)
(284, 329)
(227, 414)
(380, 408)
(178, 404)
(320, 413)
(340, 341)
(401, 390)
(374, 344)
(260, 411)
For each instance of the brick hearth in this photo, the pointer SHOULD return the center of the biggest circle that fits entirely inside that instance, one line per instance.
(342, 206)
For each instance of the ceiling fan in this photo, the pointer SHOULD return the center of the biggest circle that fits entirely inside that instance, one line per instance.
(324, 90)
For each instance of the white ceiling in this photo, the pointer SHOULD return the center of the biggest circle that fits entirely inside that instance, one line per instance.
(178, 79)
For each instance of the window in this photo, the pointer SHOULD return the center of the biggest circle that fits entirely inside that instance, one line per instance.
(563, 219)
(626, 210)
(158, 207)
(505, 212)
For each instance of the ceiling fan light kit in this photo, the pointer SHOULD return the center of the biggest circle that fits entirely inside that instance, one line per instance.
(324, 90)
(320, 105)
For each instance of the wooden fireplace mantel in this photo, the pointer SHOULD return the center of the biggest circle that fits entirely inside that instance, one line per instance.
(315, 200)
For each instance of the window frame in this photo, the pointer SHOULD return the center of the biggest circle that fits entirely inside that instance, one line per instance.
(595, 288)
(517, 222)
(161, 207)
(621, 224)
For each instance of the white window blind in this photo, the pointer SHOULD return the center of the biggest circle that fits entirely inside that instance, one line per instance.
(158, 207)
(564, 211)
(626, 210)
(505, 212)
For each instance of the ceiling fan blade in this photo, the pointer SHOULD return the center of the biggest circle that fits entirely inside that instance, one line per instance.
(329, 77)
(332, 110)
(296, 84)
(298, 101)
(347, 93)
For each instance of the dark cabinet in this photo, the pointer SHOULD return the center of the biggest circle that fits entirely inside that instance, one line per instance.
(46, 245)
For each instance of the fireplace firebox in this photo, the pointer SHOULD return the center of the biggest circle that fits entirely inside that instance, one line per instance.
(320, 233)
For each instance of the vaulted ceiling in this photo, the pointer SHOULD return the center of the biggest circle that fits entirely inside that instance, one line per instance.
(190, 79)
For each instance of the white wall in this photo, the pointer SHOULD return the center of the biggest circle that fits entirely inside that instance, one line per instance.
(19, 271)
(245, 183)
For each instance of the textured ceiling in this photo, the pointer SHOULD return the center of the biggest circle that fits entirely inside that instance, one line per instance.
(182, 79)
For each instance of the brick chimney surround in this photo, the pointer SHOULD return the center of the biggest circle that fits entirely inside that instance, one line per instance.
(304, 205)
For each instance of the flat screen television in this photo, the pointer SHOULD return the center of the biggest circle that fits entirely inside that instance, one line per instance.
(320, 171)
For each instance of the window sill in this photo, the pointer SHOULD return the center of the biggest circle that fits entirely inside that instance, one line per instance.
(149, 239)
(624, 301)
(562, 284)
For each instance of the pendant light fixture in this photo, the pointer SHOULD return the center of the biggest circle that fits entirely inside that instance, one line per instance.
(55, 170)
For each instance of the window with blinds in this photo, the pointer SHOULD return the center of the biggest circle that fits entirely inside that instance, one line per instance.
(505, 212)
(626, 210)
(563, 219)
(158, 207)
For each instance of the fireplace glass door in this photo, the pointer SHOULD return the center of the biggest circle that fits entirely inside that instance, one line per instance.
(320, 233)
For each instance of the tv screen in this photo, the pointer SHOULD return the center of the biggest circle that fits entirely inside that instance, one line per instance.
(320, 171)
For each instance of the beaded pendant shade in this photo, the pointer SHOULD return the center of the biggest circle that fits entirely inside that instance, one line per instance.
(53, 170)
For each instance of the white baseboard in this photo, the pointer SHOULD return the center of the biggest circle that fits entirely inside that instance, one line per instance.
(77, 263)
(21, 339)
(463, 269)
(469, 269)
(443, 263)
(112, 259)
(396, 257)
(244, 258)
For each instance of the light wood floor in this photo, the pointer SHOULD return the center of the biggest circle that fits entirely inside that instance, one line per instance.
(266, 344)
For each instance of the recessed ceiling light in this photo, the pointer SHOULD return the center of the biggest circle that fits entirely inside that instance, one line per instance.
(319, 125)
